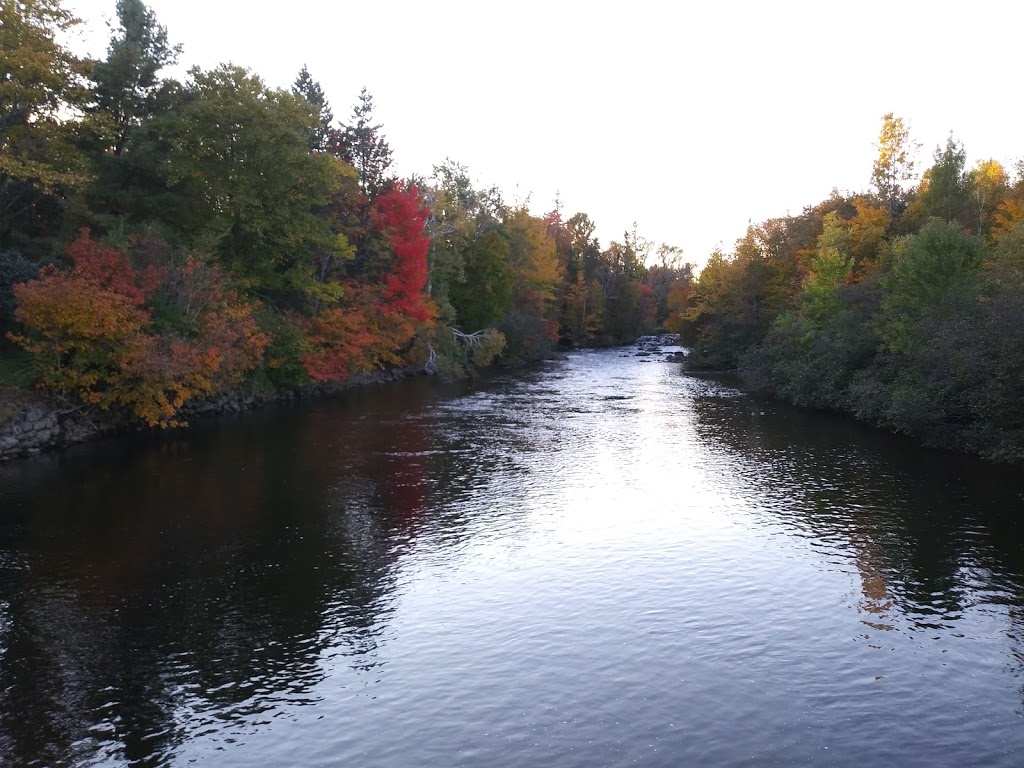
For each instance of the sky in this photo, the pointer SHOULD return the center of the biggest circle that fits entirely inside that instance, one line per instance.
(690, 119)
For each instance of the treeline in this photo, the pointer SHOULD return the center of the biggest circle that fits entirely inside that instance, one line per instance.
(163, 240)
(903, 306)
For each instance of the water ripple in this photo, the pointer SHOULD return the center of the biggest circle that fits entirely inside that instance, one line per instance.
(593, 563)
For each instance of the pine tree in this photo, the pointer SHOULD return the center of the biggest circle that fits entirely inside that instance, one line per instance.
(127, 84)
(311, 91)
(361, 145)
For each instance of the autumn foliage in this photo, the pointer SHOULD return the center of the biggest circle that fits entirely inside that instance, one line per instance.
(289, 252)
(401, 217)
(91, 333)
(352, 339)
(373, 323)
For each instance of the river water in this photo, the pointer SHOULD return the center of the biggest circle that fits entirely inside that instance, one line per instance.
(598, 562)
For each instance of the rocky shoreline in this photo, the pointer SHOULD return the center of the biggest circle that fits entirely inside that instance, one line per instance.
(30, 425)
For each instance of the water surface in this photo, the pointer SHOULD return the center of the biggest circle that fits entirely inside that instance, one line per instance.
(600, 562)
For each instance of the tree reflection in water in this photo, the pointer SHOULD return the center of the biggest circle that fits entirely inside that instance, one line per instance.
(161, 597)
(930, 534)
(155, 588)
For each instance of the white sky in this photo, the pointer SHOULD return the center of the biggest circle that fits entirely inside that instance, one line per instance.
(689, 118)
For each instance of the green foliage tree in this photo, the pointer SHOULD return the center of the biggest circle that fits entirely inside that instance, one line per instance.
(361, 145)
(708, 324)
(812, 358)
(461, 213)
(487, 291)
(830, 268)
(239, 151)
(127, 81)
(130, 188)
(14, 268)
(931, 271)
(42, 91)
(945, 184)
(308, 88)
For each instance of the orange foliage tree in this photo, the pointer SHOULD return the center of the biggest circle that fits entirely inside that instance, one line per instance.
(91, 333)
(350, 339)
(77, 331)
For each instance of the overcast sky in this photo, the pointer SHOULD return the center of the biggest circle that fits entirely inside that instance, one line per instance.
(690, 120)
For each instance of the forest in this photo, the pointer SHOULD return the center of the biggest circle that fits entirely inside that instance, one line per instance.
(163, 240)
(902, 306)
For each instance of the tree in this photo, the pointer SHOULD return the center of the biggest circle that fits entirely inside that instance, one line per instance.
(14, 268)
(676, 304)
(77, 329)
(584, 310)
(945, 188)
(240, 151)
(931, 271)
(669, 272)
(989, 184)
(127, 82)
(361, 145)
(829, 270)
(401, 216)
(460, 214)
(90, 330)
(894, 166)
(309, 89)
(867, 230)
(42, 88)
(130, 187)
(534, 255)
(486, 291)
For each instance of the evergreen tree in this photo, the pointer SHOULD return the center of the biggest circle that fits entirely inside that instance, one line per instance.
(945, 195)
(308, 88)
(361, 145)
(127, 84)
(131, 183)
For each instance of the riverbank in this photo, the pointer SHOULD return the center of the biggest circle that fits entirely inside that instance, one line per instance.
(997, 446)
(31, 423)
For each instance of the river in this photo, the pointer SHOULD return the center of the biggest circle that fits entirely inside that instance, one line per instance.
(597, 562)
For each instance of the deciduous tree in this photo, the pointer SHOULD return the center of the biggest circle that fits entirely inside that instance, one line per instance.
(240, 152)
(42, 90)
(894, 166)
